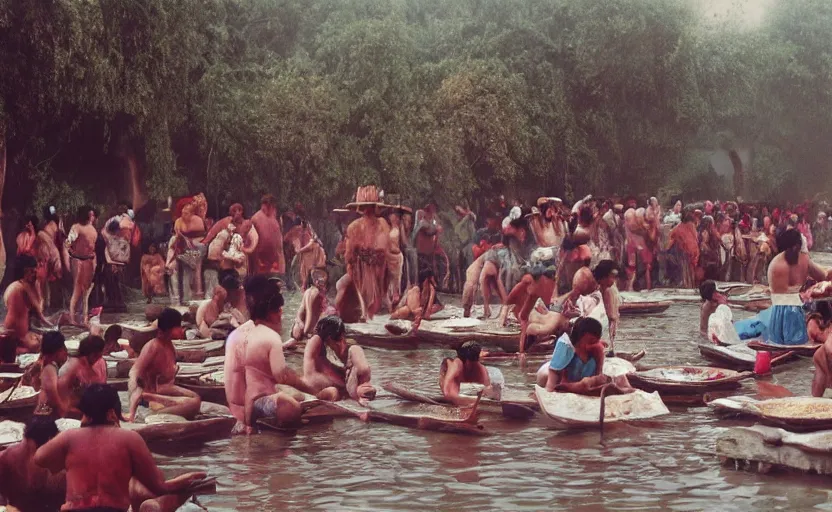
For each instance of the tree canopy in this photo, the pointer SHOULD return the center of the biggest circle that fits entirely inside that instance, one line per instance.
(308, 99)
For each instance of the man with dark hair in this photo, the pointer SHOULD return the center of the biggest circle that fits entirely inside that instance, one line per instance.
(467, 368)
(53, 354)
(107, 467)
(25, 485)
(152, 377)
(254, 361)
(81, 246)
(711, 299)
(22, 299)
(268, 257)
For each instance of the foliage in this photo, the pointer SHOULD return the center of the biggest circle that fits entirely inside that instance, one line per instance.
(459, 100)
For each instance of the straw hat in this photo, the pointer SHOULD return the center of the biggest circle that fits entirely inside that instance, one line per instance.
(368, 195)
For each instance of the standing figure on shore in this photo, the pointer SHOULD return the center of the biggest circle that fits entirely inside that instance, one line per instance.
(49, 262)
(430, 253)
(81, 246)
(397, 247)
(368, 253)
(308, 249)
(189, 231)
(268, 257)
(152, 273)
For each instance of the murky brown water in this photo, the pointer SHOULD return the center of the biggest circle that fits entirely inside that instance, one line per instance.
(349, 465)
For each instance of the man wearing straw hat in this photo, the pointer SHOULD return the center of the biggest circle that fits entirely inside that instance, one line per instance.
(367, 252)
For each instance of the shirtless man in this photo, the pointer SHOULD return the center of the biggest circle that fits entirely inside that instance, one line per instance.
(308, 249)
(81, 246)
(554, 321)
(420, 301)
(711, 299)
(152, 376)
(466, 368)
(268, 256)
(368, 252)
(25, 485)
(101, 459)
(209, 312)
(537, 283)
(637, 246)
(88, 368)
(313, 306)
(546, 225)
(236, 216)
(21, 300)
(396, 263)
(153, 273)
(51, 399)
(332, 382)
(49, 259)
(426, 240)
(255, 365)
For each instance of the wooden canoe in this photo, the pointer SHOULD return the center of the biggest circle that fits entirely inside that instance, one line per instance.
(195, 351)
(510, 396)
(644, 307)
(799, 413)
(18, 401)
(735, 357)
(209, 386)
(687, 380)
(439, 418)
(805, 349)
(570, 410)
(761, 449)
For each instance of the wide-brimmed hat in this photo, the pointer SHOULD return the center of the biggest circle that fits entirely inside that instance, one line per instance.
(397, 208)
(368, 195)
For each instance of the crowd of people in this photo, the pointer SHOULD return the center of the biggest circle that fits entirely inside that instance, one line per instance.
(555, 268)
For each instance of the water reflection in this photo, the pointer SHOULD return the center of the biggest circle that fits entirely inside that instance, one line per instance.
(667, 464)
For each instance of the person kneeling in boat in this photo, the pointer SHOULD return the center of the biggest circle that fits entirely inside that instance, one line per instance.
(555, 320)
(152, 376)
(209, 312)
(104, 463)
(577, 364)
(538, 282)
(313, 306)
(467, 368)
(420, 302)
(44, 377)
(25, 485)
(22, 300)
(254, 362)
(327, 380)
(711, 299)
(86, 369)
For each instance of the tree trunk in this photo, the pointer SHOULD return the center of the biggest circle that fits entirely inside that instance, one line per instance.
(2, 186)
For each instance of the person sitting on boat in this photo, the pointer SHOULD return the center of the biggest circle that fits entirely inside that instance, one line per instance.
(555, 320)
(22, 299)
(819, 322)
(209, 312)
(86, 369)
(538, 282)
(313, 305)
(467, 368)
(24, 484)
(711, 299)
(330, 381)
(152, 376)
(420, 302)
(254, 361)
(51, 400)
(784, 322)
(102, 460)
(577, 364)
(606, 275)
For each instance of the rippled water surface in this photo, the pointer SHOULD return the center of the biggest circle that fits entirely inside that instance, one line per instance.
(344, 464)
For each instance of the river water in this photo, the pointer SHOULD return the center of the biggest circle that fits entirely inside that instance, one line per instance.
(345, 464)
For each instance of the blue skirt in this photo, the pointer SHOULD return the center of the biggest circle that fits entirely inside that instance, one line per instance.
(784, 325)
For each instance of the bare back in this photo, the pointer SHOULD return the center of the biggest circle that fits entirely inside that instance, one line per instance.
(785, 278)
(263, 361)
(235, 371)
(84, 245)
(18, 303)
